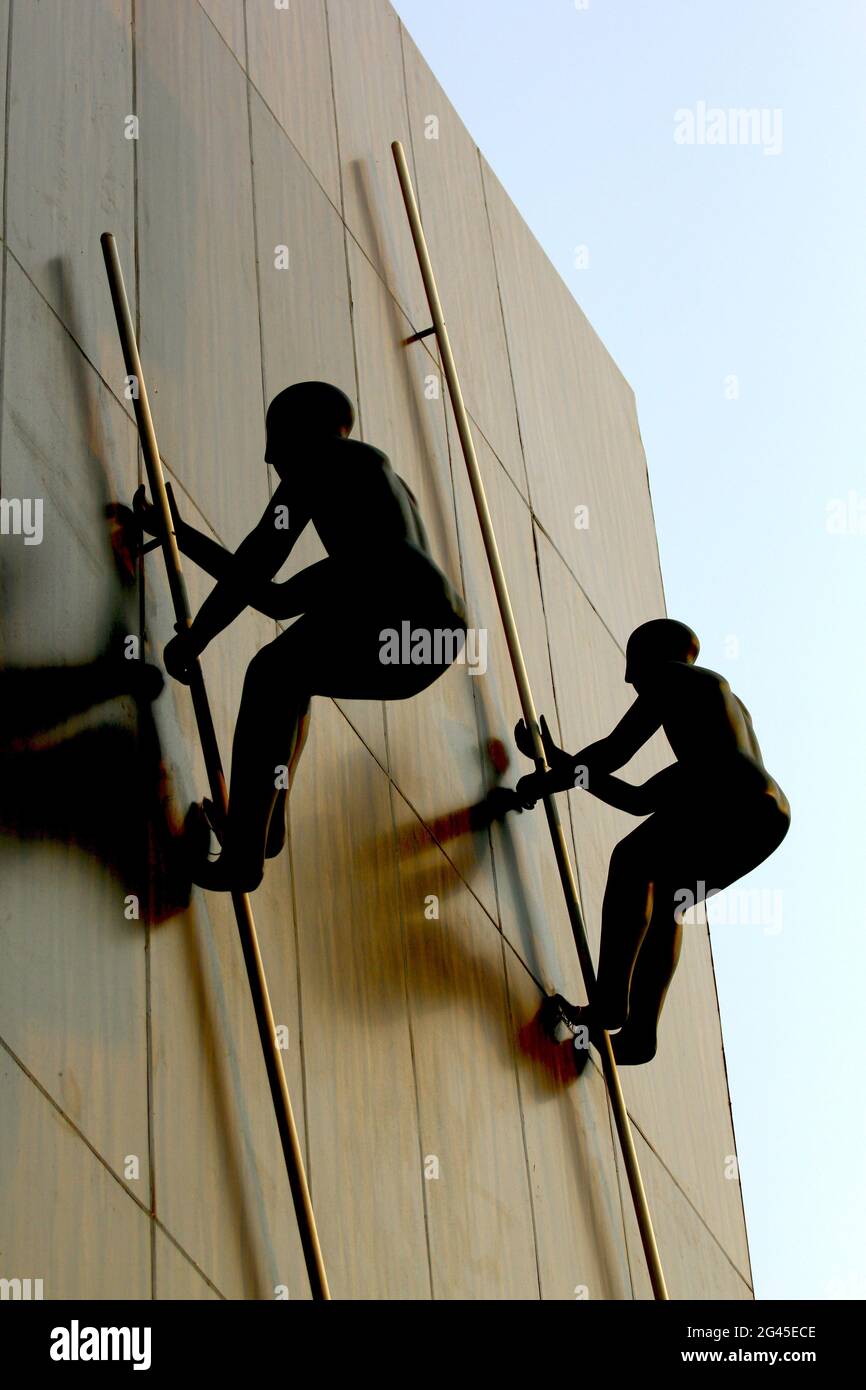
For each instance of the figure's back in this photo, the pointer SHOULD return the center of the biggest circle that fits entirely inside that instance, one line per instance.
(708, 727)
(358, 504)
(368, 520)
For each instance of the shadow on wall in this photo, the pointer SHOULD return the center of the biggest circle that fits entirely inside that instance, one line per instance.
(418, 849)
(80, 760)
(449, 969)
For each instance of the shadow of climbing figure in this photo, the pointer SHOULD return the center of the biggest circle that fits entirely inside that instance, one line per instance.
(712, 816)
(375, 620)
(86, 732)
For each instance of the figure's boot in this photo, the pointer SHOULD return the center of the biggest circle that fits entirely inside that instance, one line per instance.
(276, 830)
(633, 1048)
(559, 1018)
(196, 832)
(222, 875)
(214, 818)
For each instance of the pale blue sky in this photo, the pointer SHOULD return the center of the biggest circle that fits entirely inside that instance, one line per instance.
(707, 262)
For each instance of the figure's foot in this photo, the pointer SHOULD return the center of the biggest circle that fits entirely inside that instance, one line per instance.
(633, 1047)
(227, 874)
(558, 1013)
(276, 830)
(196, 832)
(559, 1018)
(214, 817)
(276, 833)
(550, 1018)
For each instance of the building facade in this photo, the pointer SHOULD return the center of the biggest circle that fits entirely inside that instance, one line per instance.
(240, 153)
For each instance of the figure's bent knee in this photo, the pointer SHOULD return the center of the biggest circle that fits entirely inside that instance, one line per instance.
(626, 863)
(264, 668)
(619, 857)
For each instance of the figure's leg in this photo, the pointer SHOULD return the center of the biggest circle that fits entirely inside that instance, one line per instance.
(700, 857)
(626, 911)
(269, 735)
(286, 599)
(625, 916)
(334, 649)
(277, 827)
(268, 738)
(654, 969)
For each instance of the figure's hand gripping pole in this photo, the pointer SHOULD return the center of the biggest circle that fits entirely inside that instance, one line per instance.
(163, 501)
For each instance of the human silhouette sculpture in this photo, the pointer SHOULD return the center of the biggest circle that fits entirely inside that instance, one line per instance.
(378, 578)
(713, 816)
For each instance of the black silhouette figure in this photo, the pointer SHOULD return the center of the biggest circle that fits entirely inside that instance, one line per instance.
(378, 578)
(713, 816)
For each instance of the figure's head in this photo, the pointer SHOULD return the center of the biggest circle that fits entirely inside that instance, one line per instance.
(654, 644)
(305, 413)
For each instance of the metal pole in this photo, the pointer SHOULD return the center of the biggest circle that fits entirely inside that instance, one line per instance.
(207, 734)
(527, 704)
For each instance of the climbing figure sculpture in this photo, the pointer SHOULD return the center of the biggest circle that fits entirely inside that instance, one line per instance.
(377, 577)
(712, 816)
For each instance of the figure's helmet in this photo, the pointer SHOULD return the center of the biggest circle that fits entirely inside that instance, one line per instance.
(308, 407)
(662, 639)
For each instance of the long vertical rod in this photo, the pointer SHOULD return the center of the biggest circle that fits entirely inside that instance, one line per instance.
(216, 780)
(566, 872)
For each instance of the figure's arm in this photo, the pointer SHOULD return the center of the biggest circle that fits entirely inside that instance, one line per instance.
(561, 764)
(613, 790)
(625, 796)
(247, 575)
(641, 800)
(636, 727)
(598, 759)
(253, 565)
(204, 551)
(219, 562)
